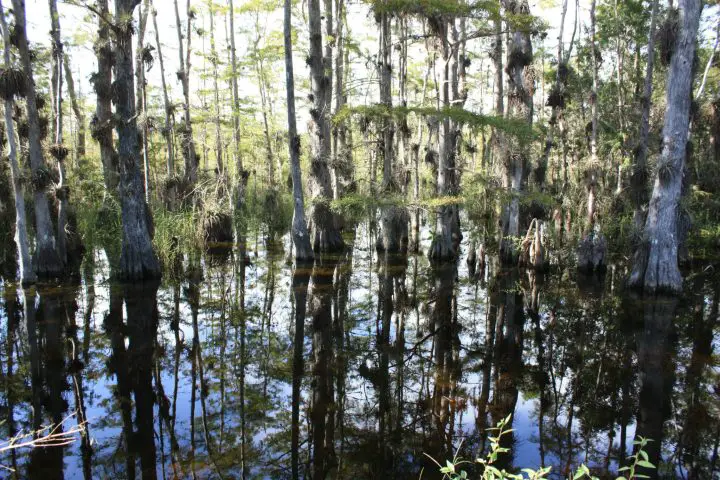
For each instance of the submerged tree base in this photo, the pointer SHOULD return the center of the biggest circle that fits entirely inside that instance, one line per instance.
(591, 253)
(47, 262)
(324, 231)
(655, 269)
(393, 236)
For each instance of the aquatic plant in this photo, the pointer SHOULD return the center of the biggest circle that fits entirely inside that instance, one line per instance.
(452, 471)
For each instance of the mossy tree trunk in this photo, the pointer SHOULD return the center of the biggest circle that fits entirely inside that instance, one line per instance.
(46, 261)
(27, 275)
(655, 265)
(394, 219)
(102, 123)
(185, 54)
(323, 225)
(137, 258)
(520, 89)
(638, 178)
(58, 150)
(446, 240)
(301, 238)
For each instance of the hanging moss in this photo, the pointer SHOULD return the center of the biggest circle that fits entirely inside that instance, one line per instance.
(59, 151)
(666, 36)
(555, 98)
(40, 101)
(13, 83)
(41, 179)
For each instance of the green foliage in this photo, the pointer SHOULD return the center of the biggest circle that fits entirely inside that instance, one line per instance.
(514, 127)
(451, 471)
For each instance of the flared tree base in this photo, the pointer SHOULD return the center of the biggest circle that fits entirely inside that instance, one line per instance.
(47, 262)
(393, 236)
(324, 231)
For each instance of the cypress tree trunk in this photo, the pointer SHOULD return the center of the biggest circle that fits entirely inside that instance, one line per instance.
(137, 258)
(520, 106)
(301, 239)
(394, 219)
(188, 144)
(656, 259)
(169, 117)
(102, 125)
(241, 174)
(446, 240)
(27, 275)
(77, 108)
(342, 155)
(638, 179)
(323, 225)
(58, 149)
(215, 60)
(46, 261)
(141, 98)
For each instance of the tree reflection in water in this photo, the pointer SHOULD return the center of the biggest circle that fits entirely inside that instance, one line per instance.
(355, 367)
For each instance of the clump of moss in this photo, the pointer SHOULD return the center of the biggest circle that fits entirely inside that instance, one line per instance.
(13, 83)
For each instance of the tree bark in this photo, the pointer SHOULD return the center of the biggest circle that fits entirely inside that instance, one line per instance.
(137, 258)
(141, 95)
(241, 174)
(638, 179)
(655, 265)
(188, 144)
(446, 240)
(394, 219)
(301, 239)
(520, 106)
(77, 108)
(215, 60)
(46, 261)
(324, 224)
(27, 275)
(102, 124)
(58, 149)
(169, 117)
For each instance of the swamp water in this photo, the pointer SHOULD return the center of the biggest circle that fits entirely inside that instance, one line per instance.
(216, 375)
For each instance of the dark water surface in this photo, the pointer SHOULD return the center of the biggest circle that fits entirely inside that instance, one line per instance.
(355, 367)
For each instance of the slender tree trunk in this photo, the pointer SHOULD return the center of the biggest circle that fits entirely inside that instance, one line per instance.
(27, 275)
(102, 126)
(323, 225)
(301, 238)
(169, 117)
(58, 150)
(137, 258)
(264, 100)
(656, 259)
(188, 144)
(638, 179)
(46, 261)
(215, 60)
(342, 164)
(591, 173)
(141, 98)
(241, 174)
(77, 108)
